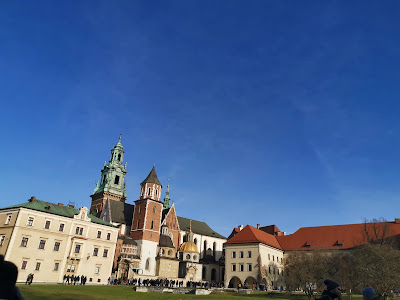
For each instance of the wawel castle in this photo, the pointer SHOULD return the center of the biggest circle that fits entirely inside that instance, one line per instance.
(148, 239)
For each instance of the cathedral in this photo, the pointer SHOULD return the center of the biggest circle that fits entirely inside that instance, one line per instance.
(153, 241)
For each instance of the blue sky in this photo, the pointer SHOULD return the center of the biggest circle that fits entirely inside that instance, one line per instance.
(270, 112)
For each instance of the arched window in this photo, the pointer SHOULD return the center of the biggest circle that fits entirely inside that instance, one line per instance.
(156, 192)
(147, 267)
(195, 241)
(119, 157)
(203, 274)
(149, 192)
(213, 274)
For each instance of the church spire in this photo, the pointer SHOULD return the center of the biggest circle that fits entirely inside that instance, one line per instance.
(166, 198)
(151, 186)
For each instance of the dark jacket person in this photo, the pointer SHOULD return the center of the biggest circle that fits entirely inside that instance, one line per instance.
(8, 278)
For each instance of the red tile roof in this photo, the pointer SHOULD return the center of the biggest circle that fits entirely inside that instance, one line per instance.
(335, 237)
(234, 231)
(250, 234)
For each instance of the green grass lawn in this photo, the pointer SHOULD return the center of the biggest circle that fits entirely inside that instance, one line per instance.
(64, 292)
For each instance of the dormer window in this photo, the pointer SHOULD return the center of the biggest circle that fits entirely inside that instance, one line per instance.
(339, 243)
(307, 245)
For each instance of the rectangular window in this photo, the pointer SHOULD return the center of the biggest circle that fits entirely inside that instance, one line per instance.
(249, 267)
(73, 268)
(241, 254)
(273, 257)
(24, 242)
(278, 271)
(2, 238)
(56, 246)
(97, 270)
(8, 220)
(42, 244)
(108, 236)
(95, 251)
(269, 258)
(37, 268)
(249, 254)
(24, 263)
(98, 234)
(233, 254)
(81, 231)
(47, 225)
(77, 230)
(30, 221)
(116, 181)
(77, 248)
(105, 253)
(56, 265)
(61, 228)
(69, 268)
(241, 267)
(233, 268)
(149, 192)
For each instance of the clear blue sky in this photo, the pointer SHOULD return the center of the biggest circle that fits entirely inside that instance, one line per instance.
(270, 112)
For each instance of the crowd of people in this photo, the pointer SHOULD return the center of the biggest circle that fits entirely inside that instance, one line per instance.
(74, 280)
(164, 283)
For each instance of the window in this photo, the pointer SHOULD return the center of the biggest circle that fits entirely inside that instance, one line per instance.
(42, 244)
(61, 228)
(105, 252)
(269, 270)
(241, 267)
(8, 220)
(249, 267)
(24, 263)
(98, 234)
(147, 266)
(47, 225)
(188, 256)
(30, 221)
(73, 268)
(156, 192)
(233, 268)
(56, 265)
(149, 192)
(249, 254)
(269, 257)
(104, 179)
(37, 268)
(116, 180)
(152, 225)
(24, 242)
(56, 246)
(138, 223)
(140, 209)
(278, 271)
(119, 157)
(79, 230)
(241, 254)
(273, 257)
(2, 238)
(108, 236)
(154, 210)
(77, 248)
(233, 254)
(95, 251)
(97, 270)
(69, 268)
(141, 192)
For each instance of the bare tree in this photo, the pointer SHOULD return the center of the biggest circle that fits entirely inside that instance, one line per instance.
(376, 231)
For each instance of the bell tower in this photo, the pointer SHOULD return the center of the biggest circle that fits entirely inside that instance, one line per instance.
(112, 184)
(146, 223)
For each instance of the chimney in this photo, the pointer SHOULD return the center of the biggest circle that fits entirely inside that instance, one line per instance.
(33, 198)
(258, 226)
(60, 204)
(240, 227)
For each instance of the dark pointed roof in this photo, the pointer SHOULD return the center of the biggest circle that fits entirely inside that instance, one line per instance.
(152, 177)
